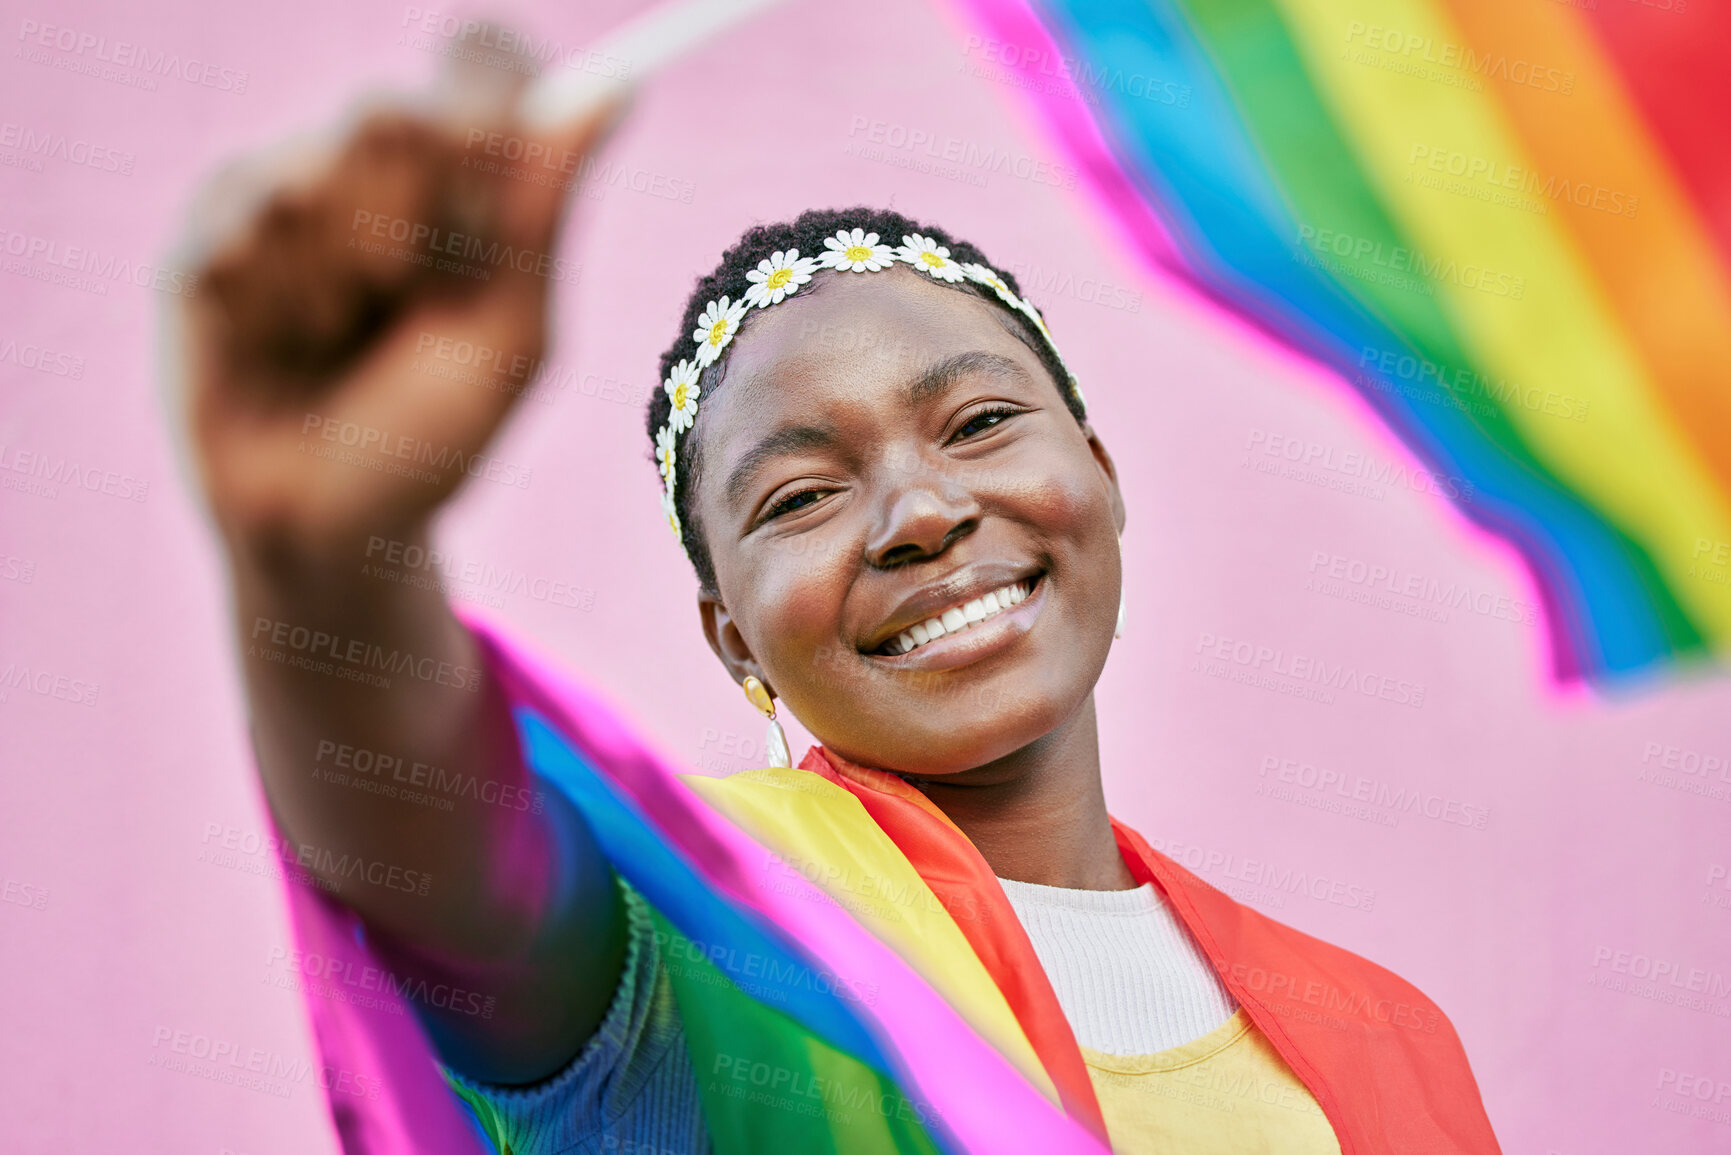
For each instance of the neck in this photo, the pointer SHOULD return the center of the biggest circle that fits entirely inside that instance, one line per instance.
(1039, 814)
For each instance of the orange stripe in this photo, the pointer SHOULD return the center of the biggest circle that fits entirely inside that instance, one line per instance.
(963, 881)
(1657, 267)
(1386, 1083)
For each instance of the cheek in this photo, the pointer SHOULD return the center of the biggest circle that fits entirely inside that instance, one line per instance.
(792, 591)
(1064, 504)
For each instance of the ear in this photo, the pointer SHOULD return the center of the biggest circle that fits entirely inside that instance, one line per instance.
(1110, 471)
(728, 643)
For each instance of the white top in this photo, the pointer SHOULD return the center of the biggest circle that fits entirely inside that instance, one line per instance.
(1130, 978)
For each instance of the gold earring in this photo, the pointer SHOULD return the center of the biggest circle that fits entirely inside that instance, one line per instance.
(775, 742)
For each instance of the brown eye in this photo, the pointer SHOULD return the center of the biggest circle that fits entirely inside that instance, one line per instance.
(984, 420)
(794, 501)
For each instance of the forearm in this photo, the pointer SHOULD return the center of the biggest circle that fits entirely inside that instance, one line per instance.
(382, 739)
(386, 746)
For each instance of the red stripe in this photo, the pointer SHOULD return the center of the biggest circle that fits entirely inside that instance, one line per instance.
(1676, 63)
(965, 884)
(1383, 1063)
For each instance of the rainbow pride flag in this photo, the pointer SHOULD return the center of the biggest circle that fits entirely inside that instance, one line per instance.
(1505, 227)
(876, 1033)
(850, 978)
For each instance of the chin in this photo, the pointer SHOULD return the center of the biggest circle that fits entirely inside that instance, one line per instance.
(972, 727)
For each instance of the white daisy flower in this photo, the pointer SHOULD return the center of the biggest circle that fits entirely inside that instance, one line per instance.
(720, 321)
(1040, 323)
(856, 252)
(929, 257)
(683, 391)
(775, 278)
(1033, 314)
(667, 452)
(983, 275)
(1026, 307)
(672, 514)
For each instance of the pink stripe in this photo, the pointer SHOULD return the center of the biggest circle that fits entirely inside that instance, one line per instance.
(1116, 198)
(1114, 195)
(985, 1102)
(1067, 117)
(380, 1052)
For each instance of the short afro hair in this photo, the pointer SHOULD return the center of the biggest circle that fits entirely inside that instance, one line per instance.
(807, 234)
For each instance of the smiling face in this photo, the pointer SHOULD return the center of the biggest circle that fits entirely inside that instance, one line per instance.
(885, 465)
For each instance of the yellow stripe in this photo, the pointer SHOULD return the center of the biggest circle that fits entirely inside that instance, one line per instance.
(1628, 457)
(1628, 215)
(823, 832)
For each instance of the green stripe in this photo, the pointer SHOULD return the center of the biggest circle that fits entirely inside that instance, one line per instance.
(1319, 176)
(769, 1085)
(485, 1113)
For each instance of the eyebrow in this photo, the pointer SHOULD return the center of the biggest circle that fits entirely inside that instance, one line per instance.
(938, 379)
(790, 439)
(933, 382)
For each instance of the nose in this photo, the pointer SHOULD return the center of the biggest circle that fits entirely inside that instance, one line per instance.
(924, 512)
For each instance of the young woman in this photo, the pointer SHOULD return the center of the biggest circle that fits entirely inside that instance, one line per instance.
(905, 531)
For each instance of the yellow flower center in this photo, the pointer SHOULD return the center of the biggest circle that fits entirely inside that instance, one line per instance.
(778, 278)
(680, 394)
(858, 253)
(933, 260)
(718, 332)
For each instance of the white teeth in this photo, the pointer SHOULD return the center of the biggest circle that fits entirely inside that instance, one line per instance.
(958, 618)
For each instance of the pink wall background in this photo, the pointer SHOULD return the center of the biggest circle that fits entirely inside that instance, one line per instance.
(119, 923)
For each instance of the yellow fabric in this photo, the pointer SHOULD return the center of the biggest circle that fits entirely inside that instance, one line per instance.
(822, 831)
(1227, 1093)
(1562, 328)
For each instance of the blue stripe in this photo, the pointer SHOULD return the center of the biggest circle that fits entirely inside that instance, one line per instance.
(1198, 168)
(733, 937)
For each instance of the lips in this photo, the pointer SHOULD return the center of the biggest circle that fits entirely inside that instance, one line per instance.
(958, 618)
(952, 606)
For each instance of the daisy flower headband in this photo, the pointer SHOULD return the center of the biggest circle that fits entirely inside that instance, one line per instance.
(778, 277)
